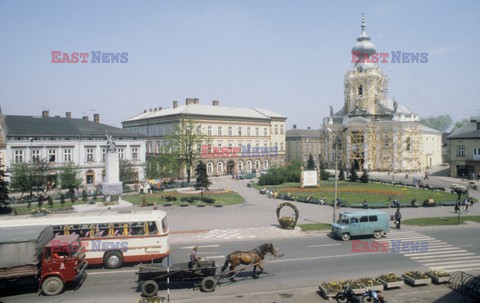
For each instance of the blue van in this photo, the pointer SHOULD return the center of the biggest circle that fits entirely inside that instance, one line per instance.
(361, 223)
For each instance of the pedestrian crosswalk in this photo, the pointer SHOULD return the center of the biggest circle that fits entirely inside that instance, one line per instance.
(439, 255)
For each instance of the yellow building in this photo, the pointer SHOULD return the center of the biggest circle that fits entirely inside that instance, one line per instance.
(241, 139)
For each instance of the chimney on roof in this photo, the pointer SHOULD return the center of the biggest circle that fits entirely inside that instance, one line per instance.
(196, 101)
(68, 115)
(215, 102)
(308, 127)
(160, 108)
(96, 118)
(294, 126)
(45, 114)
(144, 111)
(189, 101)
(85, 117)
(175, 104)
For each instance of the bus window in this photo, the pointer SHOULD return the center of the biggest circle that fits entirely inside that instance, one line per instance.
(152, 227)
(353, 220)
(137, 229)
(164, 225)
(364, 219)
(126, 230)
(372, 218)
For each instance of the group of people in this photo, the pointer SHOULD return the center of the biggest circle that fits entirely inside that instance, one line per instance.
(463, 208)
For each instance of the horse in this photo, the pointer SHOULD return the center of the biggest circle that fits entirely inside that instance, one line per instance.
(254, 256)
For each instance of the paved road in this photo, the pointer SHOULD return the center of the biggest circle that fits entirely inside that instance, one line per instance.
(308, 261)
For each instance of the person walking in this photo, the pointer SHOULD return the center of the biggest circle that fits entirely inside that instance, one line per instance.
(398, 218)
(457, 206)
(426, 176)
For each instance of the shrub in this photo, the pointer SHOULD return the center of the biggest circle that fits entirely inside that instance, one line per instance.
(40, 201)
(279, 175)
(341, 175)
(364, 177)
(170, 198)
(50, 201)
(353, 175)
(208, 200)
(84, 195)
(62, 199)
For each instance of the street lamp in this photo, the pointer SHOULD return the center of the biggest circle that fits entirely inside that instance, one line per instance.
(336, 168)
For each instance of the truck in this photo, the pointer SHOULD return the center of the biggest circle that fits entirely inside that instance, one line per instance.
(34, 254)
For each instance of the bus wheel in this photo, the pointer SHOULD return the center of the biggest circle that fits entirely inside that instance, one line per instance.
(377, 234)
(345, 236)
(52, 286)
(113, 259)
(149, 288)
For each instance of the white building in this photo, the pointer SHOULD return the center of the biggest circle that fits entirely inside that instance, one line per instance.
(254, 129)
(66, 139)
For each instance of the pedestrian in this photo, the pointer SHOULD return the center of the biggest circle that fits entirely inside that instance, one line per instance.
(414, 180)
(398, 218)
(140, 189)
(457, 206)
(426, 176)
(414, 203)
(467, 204)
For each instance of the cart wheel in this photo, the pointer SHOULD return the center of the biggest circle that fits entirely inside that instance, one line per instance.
(149, 288)
(208, 284)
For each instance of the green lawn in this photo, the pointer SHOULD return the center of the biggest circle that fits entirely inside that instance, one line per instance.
(57, 207)
(315, 226)
(441, 220)
(227, 198)
(357, 192)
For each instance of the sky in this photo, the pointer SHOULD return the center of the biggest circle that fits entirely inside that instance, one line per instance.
(286, 56)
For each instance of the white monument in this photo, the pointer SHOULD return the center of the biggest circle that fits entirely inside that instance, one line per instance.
(111, 185)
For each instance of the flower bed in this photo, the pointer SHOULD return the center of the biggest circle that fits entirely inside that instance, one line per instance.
(438, 276)
(415, 278)
(358, 286)
(330, 289)
(391, 281)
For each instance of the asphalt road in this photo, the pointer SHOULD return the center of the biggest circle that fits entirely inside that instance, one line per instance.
(307, 261)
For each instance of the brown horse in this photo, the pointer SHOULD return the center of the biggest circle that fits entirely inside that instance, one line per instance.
(254, 256)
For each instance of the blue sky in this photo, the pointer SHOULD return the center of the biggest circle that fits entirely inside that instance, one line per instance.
(287, 56)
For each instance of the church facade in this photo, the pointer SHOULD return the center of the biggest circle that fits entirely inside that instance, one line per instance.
(374, 132)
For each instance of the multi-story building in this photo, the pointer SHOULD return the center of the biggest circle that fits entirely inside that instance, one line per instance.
(254, 138)
(371, 131)
(65, 139)
(464, 145)
(301, 143)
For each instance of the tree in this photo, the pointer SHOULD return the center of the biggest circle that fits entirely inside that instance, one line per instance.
(4, 200)
(84, 195)
(202, 177)
(163, 166)
(459, 124)
(353, 174)
(40, 170)
(62, 199)
(50, 201)
(40, 201)
(341, 175)
(441, 123)
(324, 175)
(21, 180)
(69, 178)
(128, 174)
(310, 163)
(185, 143)
(364, 177)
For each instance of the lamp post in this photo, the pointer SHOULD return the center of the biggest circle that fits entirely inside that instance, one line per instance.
(336, 177)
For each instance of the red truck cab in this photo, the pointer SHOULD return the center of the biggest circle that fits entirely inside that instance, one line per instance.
(63, 261)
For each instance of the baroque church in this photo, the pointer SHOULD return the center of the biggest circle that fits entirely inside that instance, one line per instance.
(374, 132)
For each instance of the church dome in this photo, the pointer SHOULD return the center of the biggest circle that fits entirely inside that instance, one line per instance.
(364, 48)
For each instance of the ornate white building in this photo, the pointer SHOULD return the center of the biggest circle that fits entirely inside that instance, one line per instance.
(371, 131)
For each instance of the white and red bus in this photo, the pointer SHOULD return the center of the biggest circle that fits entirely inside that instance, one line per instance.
(110, 238)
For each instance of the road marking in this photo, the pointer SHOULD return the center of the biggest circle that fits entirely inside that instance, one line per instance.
(441, 249)
(199, 246)
(322, 245)
(208, 253)
(454, 262)
(435, 253)
(215, 257)
(457, 265)
(446, 255)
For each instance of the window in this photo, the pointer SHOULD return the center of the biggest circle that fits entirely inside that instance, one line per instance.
(281, 146)
(281, 129)
(90, 154)
(209, 131)
(209, 167)
(460, 151)
(230, 131)
(36, 155)
(257, 165)
(386, 142)
(18, 156)
(248, 131)
(239, 131)
(121, 153)
(360, 90)
(219, 130)
(408, 141)
(104, 153)
(199, 130)
(219, 167)
(265, 132)
(257, 132)
(364, 219)
(276, 129)
(67, 155)
(372, 218)
(52, 155)
(134, 153)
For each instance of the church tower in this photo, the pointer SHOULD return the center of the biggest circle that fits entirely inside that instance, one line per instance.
(365, 84)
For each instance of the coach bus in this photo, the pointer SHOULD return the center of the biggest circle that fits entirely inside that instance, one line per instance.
(110, 238)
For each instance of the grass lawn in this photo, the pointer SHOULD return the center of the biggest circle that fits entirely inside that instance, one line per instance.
(315, 226)
(357, 192)
(441, 220)
(227, 198)
(57, 207)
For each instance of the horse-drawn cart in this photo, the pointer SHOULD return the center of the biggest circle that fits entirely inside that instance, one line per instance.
(151, 275)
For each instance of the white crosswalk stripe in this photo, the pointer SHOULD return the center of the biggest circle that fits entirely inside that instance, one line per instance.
(440, 255)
